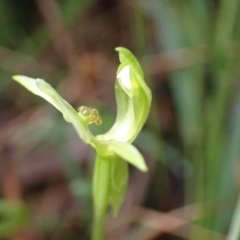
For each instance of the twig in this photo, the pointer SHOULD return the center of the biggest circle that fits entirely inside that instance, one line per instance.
(176, 222)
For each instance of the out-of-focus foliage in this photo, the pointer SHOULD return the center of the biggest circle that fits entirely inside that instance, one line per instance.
(13, 215)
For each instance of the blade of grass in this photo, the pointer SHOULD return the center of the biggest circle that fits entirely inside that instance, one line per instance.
(222, 75)
(234, 231)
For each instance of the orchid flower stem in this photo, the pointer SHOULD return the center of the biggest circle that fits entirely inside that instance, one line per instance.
(101, 190)
(98, 227)
(114, 148)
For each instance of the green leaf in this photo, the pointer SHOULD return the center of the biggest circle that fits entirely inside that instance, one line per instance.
(133, 99)
(45, 90)
(118, 182)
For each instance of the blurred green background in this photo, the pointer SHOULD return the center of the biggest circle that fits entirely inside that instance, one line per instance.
(190, 54)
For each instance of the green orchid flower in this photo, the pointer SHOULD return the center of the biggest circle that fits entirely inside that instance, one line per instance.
(112, 148)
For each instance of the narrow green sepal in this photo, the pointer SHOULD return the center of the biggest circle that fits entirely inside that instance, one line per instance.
(46, 91)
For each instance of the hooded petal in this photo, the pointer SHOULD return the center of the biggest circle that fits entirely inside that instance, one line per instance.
(133, 99)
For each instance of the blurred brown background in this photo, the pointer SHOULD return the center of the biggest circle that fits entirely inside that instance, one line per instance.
(189, 52)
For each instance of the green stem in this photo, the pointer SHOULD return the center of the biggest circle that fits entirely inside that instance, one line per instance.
(100, 196)
(234, 231)
(98, 227)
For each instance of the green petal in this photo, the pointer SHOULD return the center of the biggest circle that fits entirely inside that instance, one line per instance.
(129, 153)
(133, 99)
(45, 90)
